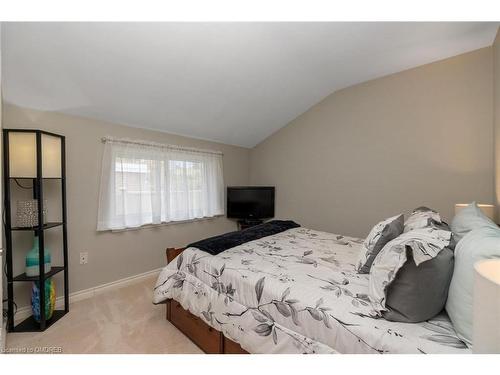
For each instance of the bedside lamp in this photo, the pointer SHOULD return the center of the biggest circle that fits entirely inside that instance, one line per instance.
(486, 310)
(488, 209)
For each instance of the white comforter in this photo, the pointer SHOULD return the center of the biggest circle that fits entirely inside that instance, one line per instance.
(295, 292)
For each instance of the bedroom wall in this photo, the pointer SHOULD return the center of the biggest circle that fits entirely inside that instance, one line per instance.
(418, 137)
(113, 255)
(496, 103)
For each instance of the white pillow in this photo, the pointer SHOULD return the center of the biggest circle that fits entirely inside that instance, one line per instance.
(468, 219)
(478, 244)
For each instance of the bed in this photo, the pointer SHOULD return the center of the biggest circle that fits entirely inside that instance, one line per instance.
(293, 292)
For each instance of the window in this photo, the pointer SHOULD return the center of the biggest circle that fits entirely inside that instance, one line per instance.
(148, 183)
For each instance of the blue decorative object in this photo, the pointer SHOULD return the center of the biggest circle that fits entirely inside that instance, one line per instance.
(33, 257)
(50, 299)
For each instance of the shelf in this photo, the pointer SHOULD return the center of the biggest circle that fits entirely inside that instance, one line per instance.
(51, 273)
(37, 186)
(31, 325)
(45, 226)
(32, 178)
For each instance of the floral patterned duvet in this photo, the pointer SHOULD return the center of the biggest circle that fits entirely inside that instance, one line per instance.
(295, 292)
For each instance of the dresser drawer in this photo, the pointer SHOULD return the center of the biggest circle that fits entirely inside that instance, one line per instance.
(208, 339)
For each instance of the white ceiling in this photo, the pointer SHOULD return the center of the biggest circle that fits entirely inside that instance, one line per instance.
(235, 83)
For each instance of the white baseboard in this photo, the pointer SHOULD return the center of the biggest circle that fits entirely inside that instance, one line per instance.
(25, 311)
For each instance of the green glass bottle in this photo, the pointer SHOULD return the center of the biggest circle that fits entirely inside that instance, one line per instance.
(32, 259)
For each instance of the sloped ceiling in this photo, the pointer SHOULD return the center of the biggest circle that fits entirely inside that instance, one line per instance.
(235, 83)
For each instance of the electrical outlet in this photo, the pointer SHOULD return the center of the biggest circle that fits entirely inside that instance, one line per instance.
(84, 258)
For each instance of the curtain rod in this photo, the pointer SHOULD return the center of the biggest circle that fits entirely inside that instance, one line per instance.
(158, 145)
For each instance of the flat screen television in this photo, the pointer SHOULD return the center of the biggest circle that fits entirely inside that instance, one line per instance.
(250, 202)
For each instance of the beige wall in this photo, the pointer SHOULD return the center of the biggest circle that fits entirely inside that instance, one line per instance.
(496, 109)
(112, 256)
(419, 137)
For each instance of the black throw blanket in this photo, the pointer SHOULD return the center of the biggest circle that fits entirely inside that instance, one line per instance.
(217, 244)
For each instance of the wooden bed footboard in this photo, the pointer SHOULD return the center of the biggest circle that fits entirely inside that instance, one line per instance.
(208, 339)
(172, 253)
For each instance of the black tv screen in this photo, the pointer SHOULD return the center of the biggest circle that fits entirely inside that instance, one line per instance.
(250, 202)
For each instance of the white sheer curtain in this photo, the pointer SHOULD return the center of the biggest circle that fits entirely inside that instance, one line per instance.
(148, 183)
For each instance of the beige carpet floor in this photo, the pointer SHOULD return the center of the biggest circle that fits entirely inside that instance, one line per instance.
(118, 321)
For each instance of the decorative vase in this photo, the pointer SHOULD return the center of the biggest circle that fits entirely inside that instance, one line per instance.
(33, 257)
(50, 299)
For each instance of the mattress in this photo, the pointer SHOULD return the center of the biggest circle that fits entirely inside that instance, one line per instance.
(295, 292)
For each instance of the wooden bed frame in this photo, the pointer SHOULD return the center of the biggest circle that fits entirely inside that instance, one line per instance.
(208, 339)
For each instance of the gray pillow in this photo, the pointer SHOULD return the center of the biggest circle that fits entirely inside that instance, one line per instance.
(380, 234)
(419, 293)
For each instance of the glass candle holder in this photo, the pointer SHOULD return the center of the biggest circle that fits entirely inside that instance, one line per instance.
(27, 213)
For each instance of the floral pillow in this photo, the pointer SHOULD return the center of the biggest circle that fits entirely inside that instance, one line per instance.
(380, 234)
(423, 244)
(422, 217)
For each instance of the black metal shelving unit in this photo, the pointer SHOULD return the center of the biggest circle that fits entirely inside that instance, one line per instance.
(29, 324)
